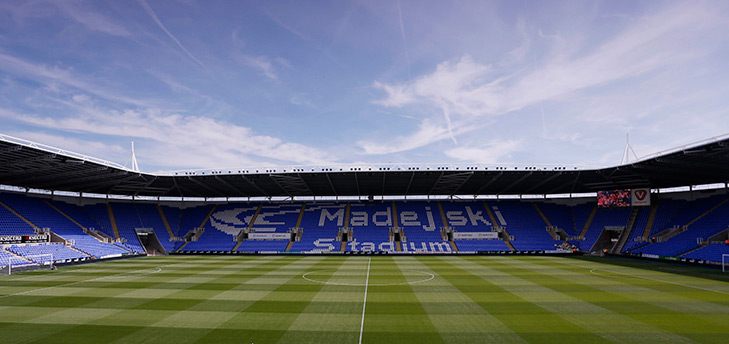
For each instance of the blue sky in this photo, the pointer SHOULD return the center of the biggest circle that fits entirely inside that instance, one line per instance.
(219, 84)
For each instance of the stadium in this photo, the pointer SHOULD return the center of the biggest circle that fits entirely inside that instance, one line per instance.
(348, 254)
(387, 182)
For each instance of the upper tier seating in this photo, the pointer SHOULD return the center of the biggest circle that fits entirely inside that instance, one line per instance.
(421, 223)
(525, 225)
(13, 225)
(312, 231)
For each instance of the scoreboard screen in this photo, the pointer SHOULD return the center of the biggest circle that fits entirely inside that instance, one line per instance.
(614, 199)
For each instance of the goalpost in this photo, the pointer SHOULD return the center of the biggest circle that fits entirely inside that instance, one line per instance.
(32, 262)
(724, 261)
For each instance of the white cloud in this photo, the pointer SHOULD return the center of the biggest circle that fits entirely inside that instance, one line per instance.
(427, 132)
(152, 14)
(179, 141)
(53, 75)
(492, 152)
(263, 64)
(466, 92)
(397, 95)
(91, 20)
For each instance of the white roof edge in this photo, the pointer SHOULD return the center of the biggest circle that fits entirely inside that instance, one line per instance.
(679, 148)
(56, 150)
(358, 167)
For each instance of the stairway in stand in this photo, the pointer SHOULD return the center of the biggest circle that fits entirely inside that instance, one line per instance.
(618, 247)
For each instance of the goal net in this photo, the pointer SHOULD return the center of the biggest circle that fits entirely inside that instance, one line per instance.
(12, 264)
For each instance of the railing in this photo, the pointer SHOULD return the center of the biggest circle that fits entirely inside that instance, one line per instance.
(55, 150)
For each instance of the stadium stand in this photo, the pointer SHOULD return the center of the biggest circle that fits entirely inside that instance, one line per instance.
(371, 223)
(219, 232)
(130, 216)
(326, 232)
(710, 221)
(10, 258)
(86, 231)
(59, 252)
(711, 252)
(525, 225)
(10, 224)
(604, 217)
(420, 223)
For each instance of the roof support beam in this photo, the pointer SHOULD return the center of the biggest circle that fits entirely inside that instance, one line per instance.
(14, 148)
(253, 185)
(84, 179)
(230, 186)
(331, 185)
(544, 181)
(146, 185)
(516, 182)
(493, 180)
(292, 185)
(56, 176)
(205, 186)
(410, 182)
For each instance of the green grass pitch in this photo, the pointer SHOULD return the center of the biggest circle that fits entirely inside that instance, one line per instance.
(425, 299)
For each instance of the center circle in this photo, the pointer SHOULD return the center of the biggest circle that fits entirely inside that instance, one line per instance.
(356, 278)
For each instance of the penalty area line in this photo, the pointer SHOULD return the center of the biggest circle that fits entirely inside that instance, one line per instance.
(595, 271)
(68, 284)
(364, 302)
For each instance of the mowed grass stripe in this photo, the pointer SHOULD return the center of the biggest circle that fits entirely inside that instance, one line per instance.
(67, 276)
(460, 320)
(100, 333)
(578, 320)
(266, 320)
(203, 314)
(706, 289)
(504, 298)
(609, 321)
(98, 275)
(12, 318)
(667, 294)
(394, 314)
(151, 290)
(334, 322)
(236, 299)
(678, 310)
(62, 291)
(99, 312)
(667, 297)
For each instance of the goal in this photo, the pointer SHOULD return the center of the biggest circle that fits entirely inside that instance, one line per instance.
(11, 264)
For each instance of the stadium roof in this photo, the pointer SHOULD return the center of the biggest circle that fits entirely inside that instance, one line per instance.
(35, 166)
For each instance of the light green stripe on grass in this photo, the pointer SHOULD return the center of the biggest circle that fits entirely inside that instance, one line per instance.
(272, 327)
(652, 303)
(581, 304)
(460, 320)
(519, 304)
(221, 299)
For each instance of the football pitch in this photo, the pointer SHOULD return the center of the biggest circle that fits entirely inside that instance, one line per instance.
(353, 299)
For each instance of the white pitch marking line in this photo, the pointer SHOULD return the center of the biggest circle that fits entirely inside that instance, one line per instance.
(364, 303)
(100, 278)
(594, 272)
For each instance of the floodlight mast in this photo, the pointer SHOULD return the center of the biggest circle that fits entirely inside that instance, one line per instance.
(135, 164)
(628, 150)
